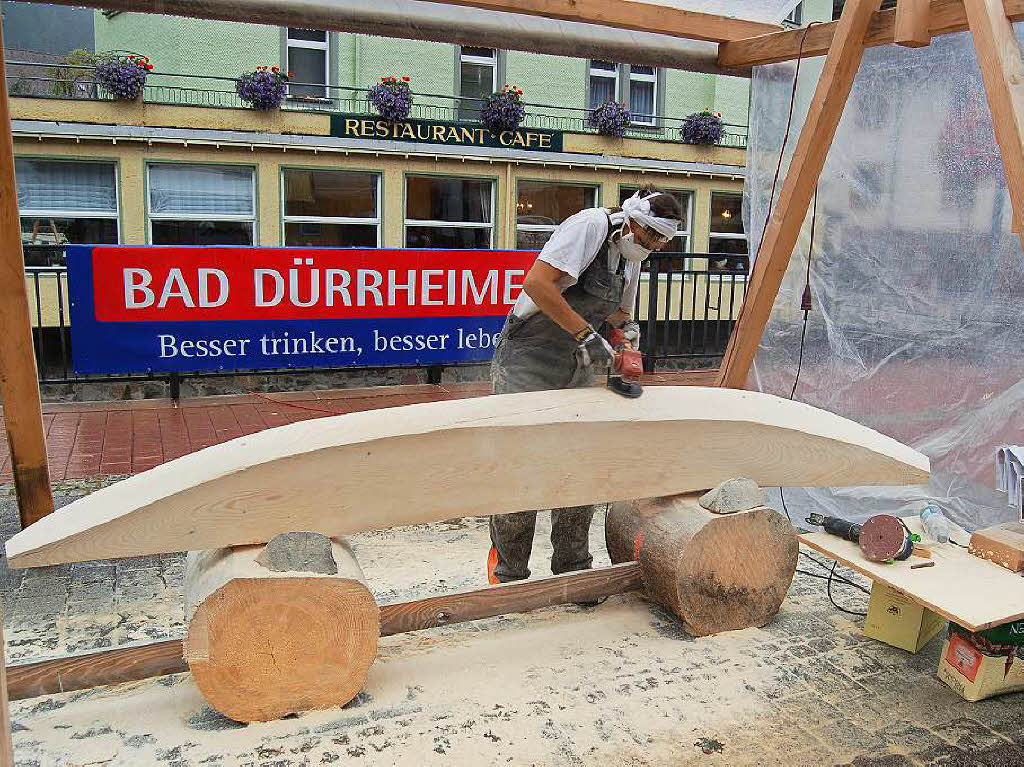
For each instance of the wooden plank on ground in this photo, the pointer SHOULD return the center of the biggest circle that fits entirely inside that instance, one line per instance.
(964, 588)
(125, 664)
(510, 598)
(471, 457)
(945, 17)
(130, 664)
(912, 19)
(631, 14)
(787, 218)
(1003, 74)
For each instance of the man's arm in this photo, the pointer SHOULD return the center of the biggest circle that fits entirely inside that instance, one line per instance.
(541, 284)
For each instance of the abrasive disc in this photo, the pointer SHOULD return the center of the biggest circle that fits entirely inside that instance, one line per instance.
(883, 537)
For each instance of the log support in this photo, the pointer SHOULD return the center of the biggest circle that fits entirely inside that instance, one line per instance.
(714, 572)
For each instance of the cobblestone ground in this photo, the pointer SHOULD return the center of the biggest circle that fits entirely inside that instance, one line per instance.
(619, 684)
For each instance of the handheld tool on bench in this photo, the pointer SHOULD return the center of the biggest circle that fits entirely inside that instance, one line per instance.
(627, 363)
(881, 538)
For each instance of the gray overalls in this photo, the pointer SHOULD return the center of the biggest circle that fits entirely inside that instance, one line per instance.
(535, 354)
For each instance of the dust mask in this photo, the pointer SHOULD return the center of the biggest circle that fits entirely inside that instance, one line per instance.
(631, 249)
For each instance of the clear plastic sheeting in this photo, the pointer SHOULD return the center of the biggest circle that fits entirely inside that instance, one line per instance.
(917, 325)
(771, 11)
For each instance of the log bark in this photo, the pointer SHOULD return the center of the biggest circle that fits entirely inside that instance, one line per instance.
(716, 573)
(262, 644)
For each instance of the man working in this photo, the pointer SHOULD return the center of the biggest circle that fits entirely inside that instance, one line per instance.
(586, 275)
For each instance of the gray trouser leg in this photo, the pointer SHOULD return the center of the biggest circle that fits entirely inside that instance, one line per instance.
(512, 536)
(570, 536)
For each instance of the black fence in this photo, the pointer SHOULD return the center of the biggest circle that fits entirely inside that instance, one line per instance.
(74, 81)
(687, 305)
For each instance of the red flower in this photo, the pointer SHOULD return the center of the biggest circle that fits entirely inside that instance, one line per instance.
(149, 66)
(291, 74)
(275, 69)
(405, 78)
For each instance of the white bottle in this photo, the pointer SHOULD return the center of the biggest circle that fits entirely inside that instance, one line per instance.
(935, 523)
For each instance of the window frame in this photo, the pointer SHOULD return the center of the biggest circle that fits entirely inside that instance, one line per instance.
(725, 235)
(253, 220)
(324, 46)
(645, 78)
(496, 62)
(407, 222)
(286, 219)
(73, 214)
(595, 186)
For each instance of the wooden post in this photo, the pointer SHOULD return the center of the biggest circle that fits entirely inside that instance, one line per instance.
(781, 234)
(912, 17)
(1003, 74)
(6, 750)
(19, 387)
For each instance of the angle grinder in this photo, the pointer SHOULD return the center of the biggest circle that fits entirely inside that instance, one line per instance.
(881, 538)
(627, 363)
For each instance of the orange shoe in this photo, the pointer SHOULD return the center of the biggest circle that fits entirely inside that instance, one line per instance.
(492, 564)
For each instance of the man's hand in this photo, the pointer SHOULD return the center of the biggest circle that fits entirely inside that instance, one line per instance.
(593, 349)
(619, 318)
(631, 332)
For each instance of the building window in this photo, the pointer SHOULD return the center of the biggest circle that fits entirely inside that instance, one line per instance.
(63, 201)
(308, 61)
(727, 235)
(643, 94)
(331, 208)
(681, 242)
(201, 204)
(443, 212)
(604, 83)
(796, 16)
(542, 206)
(478, 78)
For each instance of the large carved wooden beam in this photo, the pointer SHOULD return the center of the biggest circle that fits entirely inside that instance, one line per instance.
(783, 228)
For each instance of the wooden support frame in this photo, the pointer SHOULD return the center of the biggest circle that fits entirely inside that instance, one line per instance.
(629, 14)
(787, 218)
(19, 386)
(130, 664)
(1002, 71)
(945, 17)
(912, 18)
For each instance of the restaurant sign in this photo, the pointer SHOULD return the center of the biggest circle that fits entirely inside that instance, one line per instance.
(449, 133)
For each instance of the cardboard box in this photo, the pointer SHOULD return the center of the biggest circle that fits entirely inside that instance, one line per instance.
(974, 673)
(896, 619)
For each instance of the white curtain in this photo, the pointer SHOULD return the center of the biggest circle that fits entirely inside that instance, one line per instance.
(206, 190)
(48, 187)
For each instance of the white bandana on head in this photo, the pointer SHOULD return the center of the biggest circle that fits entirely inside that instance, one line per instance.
(638, 209)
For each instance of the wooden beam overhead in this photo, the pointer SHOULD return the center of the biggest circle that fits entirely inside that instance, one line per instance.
(1002, 71)
(787, 218)
(631, 14)
(912, 18)
(945, 17)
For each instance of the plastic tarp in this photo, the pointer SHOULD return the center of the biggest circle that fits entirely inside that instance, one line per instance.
(917, 325)
(771, 11)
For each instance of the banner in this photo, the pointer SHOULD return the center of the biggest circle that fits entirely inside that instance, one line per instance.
(183, 309)
(442, 132)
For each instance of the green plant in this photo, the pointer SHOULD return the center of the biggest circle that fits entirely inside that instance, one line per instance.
(67, 81)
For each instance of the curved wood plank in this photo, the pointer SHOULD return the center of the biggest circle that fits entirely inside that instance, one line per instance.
(476, 457)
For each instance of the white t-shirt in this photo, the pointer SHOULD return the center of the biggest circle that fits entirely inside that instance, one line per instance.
(573, 247)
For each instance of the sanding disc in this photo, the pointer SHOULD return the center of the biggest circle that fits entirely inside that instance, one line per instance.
(883, 537)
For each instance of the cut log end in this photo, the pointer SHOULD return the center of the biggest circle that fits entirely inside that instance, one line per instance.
(716, 573)
(262, 645)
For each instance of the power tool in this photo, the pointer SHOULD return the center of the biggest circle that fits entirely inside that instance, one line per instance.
(881, 538)
(628, 362)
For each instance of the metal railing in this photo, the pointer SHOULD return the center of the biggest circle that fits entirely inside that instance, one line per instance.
(72, 81)
(687, 305)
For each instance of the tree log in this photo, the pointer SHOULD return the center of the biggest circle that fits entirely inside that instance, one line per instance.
(262, 643)
(716, 573)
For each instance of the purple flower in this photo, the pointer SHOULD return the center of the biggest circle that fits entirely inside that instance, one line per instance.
(123, 77)
(262, 89)
(392, 99)
(612, 118)
(503, 110)
(702, 128)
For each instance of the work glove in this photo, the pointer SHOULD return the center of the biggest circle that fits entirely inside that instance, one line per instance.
(631, 332)
(593, 349)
